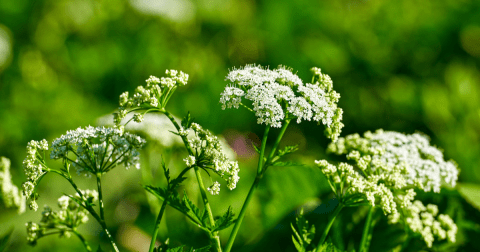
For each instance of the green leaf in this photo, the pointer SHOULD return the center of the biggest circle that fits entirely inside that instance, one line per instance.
(224, 221)
(202, 249)
(4, 240)
(471, 193)
(176, 249)
(165, 170)
(278, 163)
(303, 234)
(198, 215)
(287, 150)
(187, 121)
(172, 198)
(329, 247)
(99, 249)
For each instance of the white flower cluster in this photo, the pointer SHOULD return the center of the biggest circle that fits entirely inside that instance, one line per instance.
(155, 94)
(209, 154)
(98, 149)
(34, 167)
(376, 188)
(279, 94)
(425, 221)
(9, 192)
(424, 163)
(69, 217)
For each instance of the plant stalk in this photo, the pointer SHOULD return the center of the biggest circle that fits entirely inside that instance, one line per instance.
(157, 226)
(102, 215)
(365, 242)
(85, 243)
(201, 186)
(329, 225)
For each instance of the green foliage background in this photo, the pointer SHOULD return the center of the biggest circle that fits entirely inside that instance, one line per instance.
(399, 65)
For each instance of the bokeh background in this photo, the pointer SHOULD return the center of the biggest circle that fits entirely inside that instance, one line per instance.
(399, 65)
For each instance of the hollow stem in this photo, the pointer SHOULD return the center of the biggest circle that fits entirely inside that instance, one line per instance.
(157, 226)
(365, 242)
(329, 225)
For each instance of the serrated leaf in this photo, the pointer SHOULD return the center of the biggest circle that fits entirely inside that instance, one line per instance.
(176, 249)
(172, 198)
(4, 240)
(198, 215)
(303, 233)
(471, 193)
(328, 247)
(202, 249)
(225, 220)
(176, 182)
(278, 163)
(287, 150)
(165, 170)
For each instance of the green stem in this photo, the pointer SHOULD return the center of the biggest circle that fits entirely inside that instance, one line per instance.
(157, 226)
(241, 215)
(275, 145)
(85, 243)
(102, 215)
(201, 186)
(365, 242)
(329, 225)
(88, 208)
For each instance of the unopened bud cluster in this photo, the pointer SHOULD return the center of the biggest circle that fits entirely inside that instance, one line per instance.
(34, 167)
(208, 153)
(155, 94)
(426, 222)
(376, 188)
(279, 94)
(9, 193)
(63, 221)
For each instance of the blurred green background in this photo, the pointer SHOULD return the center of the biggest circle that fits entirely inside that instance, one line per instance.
(399, 65)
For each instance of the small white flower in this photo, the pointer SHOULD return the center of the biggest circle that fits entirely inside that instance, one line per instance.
(215, 188)
(189, 161)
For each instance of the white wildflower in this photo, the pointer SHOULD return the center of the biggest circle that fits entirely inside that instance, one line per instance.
(215, 188)
(98, 149)
(279, 94)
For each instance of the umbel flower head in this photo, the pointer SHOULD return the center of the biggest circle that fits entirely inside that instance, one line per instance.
(90, 150)
(98, 150)
(278, 95)
(425, 165)
(209, 154)
(9, 193)
(154, 95)
(368, 186)
(63, 221)
(426, 222)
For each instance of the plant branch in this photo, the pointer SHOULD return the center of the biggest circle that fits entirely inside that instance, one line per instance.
(329, 225)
